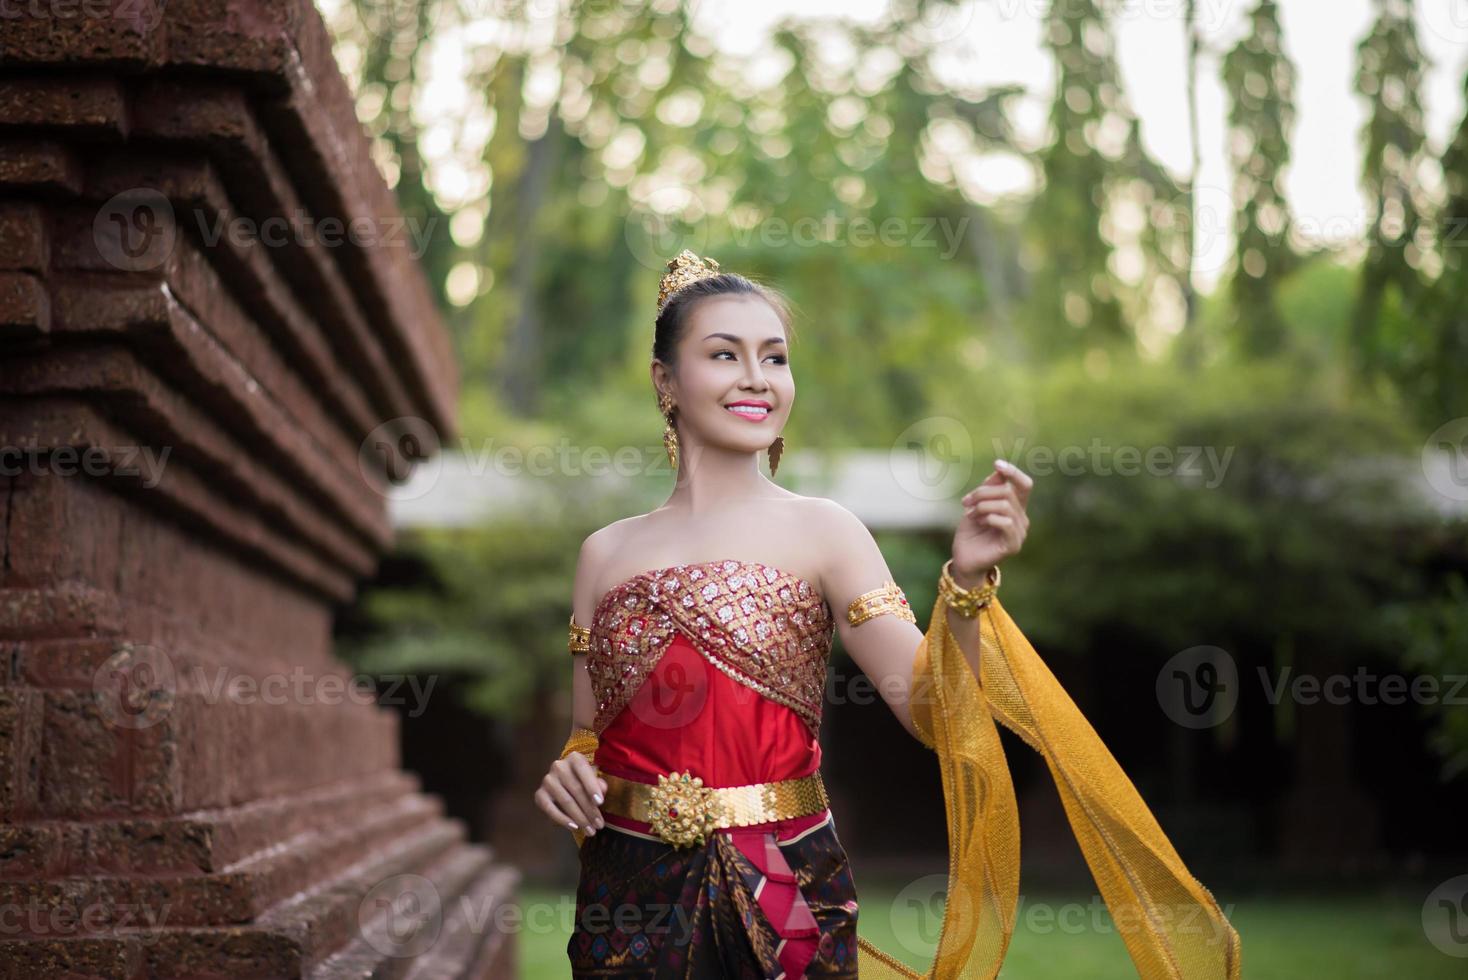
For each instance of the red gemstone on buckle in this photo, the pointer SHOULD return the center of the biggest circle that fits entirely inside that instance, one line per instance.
(672, 811)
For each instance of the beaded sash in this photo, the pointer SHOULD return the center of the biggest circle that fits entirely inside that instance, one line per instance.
(766, 628)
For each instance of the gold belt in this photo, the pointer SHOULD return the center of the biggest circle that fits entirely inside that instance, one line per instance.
(683, 811)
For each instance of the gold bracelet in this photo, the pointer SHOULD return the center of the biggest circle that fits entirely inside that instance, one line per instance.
(582, 740)
(580, 639)
(886, 598)
(967, 602)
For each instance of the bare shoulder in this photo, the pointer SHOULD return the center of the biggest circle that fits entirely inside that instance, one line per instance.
(596, 550)
(830, 521)
(604, 541)
(832, 532)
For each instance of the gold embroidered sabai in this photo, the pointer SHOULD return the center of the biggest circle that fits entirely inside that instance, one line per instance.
(764, 627)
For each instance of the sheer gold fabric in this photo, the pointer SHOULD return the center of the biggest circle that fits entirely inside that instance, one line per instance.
(1172, 926)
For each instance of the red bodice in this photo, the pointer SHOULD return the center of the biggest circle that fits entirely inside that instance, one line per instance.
(689, 715)
(715, 667)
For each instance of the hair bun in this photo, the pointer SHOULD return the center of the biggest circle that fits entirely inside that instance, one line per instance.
(684, 269)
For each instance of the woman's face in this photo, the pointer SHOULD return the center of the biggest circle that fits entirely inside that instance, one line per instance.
(733, 386)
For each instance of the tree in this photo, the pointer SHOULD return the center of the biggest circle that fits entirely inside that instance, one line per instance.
(1389, 73)
(1260, 81)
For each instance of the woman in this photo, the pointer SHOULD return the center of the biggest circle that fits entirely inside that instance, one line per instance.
(700, 637)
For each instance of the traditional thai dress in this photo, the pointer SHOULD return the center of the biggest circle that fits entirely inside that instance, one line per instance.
(718, 668)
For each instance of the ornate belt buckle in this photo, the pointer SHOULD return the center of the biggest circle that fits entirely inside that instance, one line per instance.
(682, 810)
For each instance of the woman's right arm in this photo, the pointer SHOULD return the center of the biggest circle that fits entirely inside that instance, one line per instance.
(571, 792)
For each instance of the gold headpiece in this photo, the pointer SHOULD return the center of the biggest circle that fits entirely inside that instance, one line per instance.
(684, 269)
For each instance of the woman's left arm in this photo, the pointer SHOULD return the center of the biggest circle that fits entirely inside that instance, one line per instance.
(885, 645)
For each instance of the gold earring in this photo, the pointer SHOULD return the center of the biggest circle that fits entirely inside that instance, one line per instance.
(776, 448)
(670, 434)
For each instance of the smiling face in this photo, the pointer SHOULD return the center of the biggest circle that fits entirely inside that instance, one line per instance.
(733, 388)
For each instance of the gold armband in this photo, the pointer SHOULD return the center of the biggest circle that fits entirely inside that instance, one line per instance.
(886, 598)
(967, 602)
(580, 638)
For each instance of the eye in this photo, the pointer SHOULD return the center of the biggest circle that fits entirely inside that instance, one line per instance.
(779, 358)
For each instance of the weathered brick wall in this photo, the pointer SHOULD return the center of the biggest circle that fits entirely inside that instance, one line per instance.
(193, 432)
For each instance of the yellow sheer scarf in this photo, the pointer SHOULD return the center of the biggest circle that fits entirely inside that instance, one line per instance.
(1172, 926)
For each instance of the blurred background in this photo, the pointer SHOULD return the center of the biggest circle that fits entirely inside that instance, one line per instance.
(1198, 267)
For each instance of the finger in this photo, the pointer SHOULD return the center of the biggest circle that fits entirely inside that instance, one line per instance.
(590, 786)
(1002, 522)
(1022, 480)
(548, 806)
(1007, 525)
(568, 802)
(995, 492)
(994, 479)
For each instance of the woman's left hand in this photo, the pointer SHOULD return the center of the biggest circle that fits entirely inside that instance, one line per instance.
(994, 523)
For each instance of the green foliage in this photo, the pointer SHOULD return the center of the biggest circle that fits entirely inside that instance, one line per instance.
(1177, 506)
(1434, 634)
(494, 613)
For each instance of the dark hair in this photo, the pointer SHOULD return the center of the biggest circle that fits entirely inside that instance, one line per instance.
(674, 317)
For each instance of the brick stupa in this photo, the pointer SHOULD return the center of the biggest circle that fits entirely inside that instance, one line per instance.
(198, 433)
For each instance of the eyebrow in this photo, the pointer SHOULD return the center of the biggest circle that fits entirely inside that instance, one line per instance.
(731, 337)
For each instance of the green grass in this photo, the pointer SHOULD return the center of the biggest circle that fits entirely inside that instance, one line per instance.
(1343, 936)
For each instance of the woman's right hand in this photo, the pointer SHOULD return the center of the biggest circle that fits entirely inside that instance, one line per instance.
(571, 794)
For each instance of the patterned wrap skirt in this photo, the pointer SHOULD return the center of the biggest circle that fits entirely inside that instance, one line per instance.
(770, 902)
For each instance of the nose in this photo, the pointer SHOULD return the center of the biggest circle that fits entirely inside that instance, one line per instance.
(754, 376)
